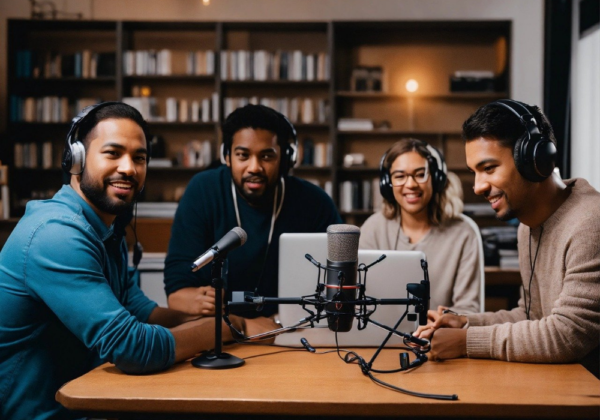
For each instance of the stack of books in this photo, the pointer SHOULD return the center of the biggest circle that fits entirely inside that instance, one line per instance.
(472, 81)
(159, 210)
(355, 124)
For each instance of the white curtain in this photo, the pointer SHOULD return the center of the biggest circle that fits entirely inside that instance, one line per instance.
(585, 103)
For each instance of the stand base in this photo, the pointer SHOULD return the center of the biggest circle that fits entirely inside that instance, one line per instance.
(221, 361)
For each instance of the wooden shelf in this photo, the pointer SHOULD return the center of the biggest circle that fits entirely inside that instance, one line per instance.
(166, 124)
(310, 168)
(70, 79)
(303, 83)
(395, 133)
(170, 78)
(449, 96)
(442, 48)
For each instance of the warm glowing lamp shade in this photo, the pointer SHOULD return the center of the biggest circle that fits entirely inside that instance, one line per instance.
(412, 85)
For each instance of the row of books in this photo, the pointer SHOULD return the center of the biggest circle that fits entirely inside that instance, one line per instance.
(177, 109)
(297, 110)
(360, 195)
(280, 65)
(46, 109)
(50, 64)
(168, 62)
(34, 155)
(161, 210)
(185, 110)
(315, 154)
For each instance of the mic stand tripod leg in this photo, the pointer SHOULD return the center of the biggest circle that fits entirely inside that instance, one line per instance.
(216, 359)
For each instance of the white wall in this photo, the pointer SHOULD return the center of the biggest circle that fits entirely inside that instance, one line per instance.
(527, 16)
(585, 102)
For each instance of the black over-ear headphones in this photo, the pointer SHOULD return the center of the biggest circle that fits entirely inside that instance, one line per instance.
(73, 160)
(534, 154)
(436, 166)
(289, 155)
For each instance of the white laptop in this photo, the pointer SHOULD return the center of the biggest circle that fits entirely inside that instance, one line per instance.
(385, 280)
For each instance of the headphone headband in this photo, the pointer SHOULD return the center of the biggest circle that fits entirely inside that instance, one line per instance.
(533, 153)
(436, 166)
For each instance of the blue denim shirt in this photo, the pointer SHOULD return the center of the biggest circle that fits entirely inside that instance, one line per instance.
(67, 304)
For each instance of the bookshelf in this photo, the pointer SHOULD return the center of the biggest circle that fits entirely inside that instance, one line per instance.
(303, 68)
(425, 52)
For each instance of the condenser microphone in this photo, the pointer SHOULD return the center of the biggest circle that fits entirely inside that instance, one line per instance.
(236, 237)
(342, 262)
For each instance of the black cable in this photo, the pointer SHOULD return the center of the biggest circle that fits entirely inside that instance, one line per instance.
(532, 267)
(351, 356)
(452, 397)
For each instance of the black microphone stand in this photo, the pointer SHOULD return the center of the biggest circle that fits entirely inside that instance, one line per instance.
(216, 359)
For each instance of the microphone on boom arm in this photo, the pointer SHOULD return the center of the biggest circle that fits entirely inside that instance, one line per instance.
(235, 238)
(342, 262)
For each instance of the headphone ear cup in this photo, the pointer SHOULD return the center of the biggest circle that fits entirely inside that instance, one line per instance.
(385, 183)
(288, 161)
(518, 157)
(439, 177)
(67, 159)
(544, 158)
(293, 155)
(441, 180)
(74, 158)
(385, 187)
(524, 157)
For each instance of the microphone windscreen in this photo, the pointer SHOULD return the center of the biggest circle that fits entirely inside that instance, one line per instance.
(241, 233)
(342, 242)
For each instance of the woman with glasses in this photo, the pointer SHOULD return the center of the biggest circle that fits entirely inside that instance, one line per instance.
(422, 210)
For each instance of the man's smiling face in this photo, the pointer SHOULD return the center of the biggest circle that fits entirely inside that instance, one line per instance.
(497, 177)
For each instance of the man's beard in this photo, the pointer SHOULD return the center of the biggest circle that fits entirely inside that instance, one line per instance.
(100, 199)
(263, 200)
(509, 215)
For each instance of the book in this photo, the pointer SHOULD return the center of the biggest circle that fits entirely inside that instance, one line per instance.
(157, 209)
(355, 124)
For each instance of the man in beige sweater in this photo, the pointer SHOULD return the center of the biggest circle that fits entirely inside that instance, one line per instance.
(510, 148)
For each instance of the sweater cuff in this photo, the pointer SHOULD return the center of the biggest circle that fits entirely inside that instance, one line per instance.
(474, 320)
(479, 342)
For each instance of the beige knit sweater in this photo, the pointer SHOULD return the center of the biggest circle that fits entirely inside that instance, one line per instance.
(452, 252)
(564, 323)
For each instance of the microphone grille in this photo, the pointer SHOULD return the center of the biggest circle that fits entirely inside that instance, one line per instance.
(241, 233)
(342, 242)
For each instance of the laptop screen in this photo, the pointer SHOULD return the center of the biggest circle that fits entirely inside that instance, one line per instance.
(385, 280)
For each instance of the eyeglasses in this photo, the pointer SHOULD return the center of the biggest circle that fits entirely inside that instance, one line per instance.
(401, 178)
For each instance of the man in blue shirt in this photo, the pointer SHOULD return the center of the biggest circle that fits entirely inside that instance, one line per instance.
(254, 192)
(68, 302)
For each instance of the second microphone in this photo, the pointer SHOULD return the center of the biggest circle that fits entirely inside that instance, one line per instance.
(342, 264)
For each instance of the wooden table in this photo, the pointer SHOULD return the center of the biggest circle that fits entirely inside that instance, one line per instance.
(304, 384)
